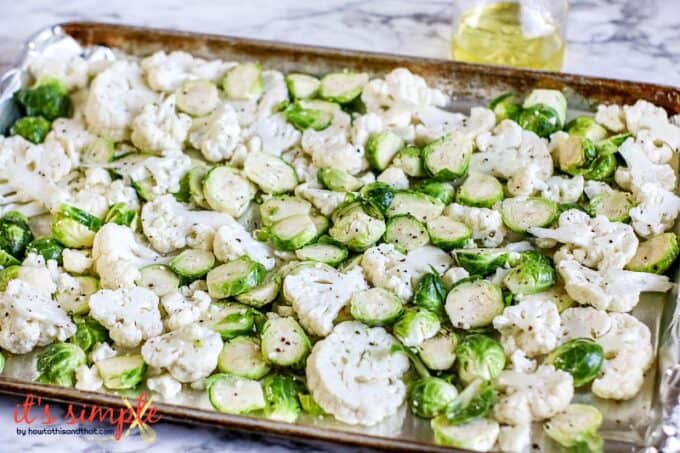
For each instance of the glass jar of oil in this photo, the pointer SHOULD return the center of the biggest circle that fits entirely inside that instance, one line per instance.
(522, 33)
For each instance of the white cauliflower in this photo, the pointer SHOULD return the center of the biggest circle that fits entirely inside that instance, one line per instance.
(62, 61)
(386, 267)
(189, 354)
(41, 275)
(95, 191)
(318, 292)
(400, 88)
(185, 306)
(395, 177)
(216, 135)
(514, 439)
(161, 175)
(532, 326)
(77, 261)
(609, 289)
(656, 210)
(274, 93)
(130, 314)
(364, 126)
(165, 385)
(595, 188)
(31, 319)
(102, 351)
(324, 200)
(72, 135)
(555, 295)
(353, 376)
(345, 156)
(645, 116)
(486, 224)
(274, 133)
(87, 378)
(595, 242)
(159, 129)
(640, 169)
(583, 322)
(611, 117)
(657, 151)
(116, 96)
(233, 241)
(526, 181)
(527, 397)
(167, 72)
(563, 189)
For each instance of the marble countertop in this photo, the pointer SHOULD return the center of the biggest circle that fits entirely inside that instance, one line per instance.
(625, 39)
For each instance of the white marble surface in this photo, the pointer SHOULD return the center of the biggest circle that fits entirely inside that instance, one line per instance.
(627, 39)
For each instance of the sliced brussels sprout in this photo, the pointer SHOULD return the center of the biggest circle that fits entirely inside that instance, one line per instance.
(57, 364)
(158, 278)
(302, 86)
(656, 254)
(421, 206)
(48, 99)
(376, 306)
(2, 362)
(226, 190)
(475, 401)
(521, 213)
(482, 261)
(307, 118)
(122, 372)
(195, 178)
(430, 293)
(357, 226)
(284, 342)
(192, 264)
(99, 151)
(278, 208)
(447, 233)
(448, 157)
(309, 406)
(381, 149)
(416, 326)
(409, 160)
(263, 294)
(582, 358)
(576, 428)
(197, 97)
(479, 435)
(241, 356)
(15, 233)
(32, 128)
(7, 260)
(480, 190)
(406, 233)
(231, 394)
(379, 195)
(506, 106)
(280, 394)
(88, 333)
(549, 98)
(244, 81)
(439, 352)
(46, 247)
(342, 87)
(442, 191)
(429, 397)
(235, 277)
(479, 357)
(330, 254)
(586, 127)
(579, 156)
(7, 274)
(611, 145)
(533, 274)
(236, 321)
(473, 304)
(539, 119)
(615, 205)
(122, 214)
(338, 180)
(293, 232)
(75, 228)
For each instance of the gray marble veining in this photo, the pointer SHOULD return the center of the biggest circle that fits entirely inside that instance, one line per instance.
(625, 39)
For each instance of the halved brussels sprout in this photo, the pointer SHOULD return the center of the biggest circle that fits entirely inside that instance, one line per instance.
(439, 352)
(576, 428)
(99, 151)
(406, 233)
(263, 294)
(579, 156)
(88, 333)
(448, 234)
(57, 363)
(474, 401)
(430, 293)
(330, 254)
(158, 278)
(242, 357)
(521, 213)
(197, 97)
(272, 174)
(586, 127)
(302, 86)
(293, 232)
(381, 149)
(430, 396)
(75, 228)
(122, 372)
(49, 99)
(482, 261)
(231, 394)
(280, 207)
(410, 161)
(7, 260)
(480, 190)
(614, 204)
(378, 194)
(416, 326)
(338, 180)
(552, 99)
(479, 357)
(342, 87)
(611, 145)
(226, 190)
(533, 274)
(309, 406)
(419, 205)
(15, 233)
(244, 81)
(284, 342)
(32, 128)
(581, 357)
(478, 435)
(48, 248)
(376, 306)
(235, 277)
(238, 320)
(357, 225)
(122, 214)
(280, 394)
(474, 303)
(539, 119)
(505, 106)
(448, 157)
(442, 191)
(656, 254)
(192, 264)
(8, 274)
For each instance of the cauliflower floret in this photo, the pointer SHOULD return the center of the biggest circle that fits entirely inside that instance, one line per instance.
(233, 241)
(610, 289)
(159, 129)
(166, 72)
(656, 151)
(130, 314)
(87, 378)
(62, 61)
(324, 200)
(562, 189)
(526, 181)
(403, 89)
(31, 319)
(385, 267)
(437, 122)
(72, 135)
(185, 306)
(116, 96)
(527, 397)
(274, 94)
(102, 351)
(595, 242)
(595, 188)
(583, 322)
(486, 224)
(165, 385)
(95, 191)
(318, 293)
(77, 261)
(532, 326)
(611, 117)
(160, 175)
(514, 439)
(189, 354)
(555, 295)
(41, 275)
(395, 177)
(275, 134)
(217, 134)
(640, 169)
(344, 156)
(644, 115)
(656, 210)
(352, 375)
(364, 126)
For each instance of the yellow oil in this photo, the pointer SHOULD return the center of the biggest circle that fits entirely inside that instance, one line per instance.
(493, 35)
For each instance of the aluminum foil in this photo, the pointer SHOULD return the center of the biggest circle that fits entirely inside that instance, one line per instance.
(649, 422)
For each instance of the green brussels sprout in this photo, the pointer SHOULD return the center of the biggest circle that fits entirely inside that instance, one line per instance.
(409, 160)
(239, 322)
(242, 356)
(474, 401)
(88, 333)
(49, 99)
(122, 214)
(235, 277)
(338, 180)
(381, 148)
(579, 156)
(482, 261)
(581, 357)
(442, 191)
(539, 119)
(416, 326)
(46, 247)
(586, 127)
(439, 352)
(611, 145)
(430, 293)
(428, 397)
(309, 406)
(576, 428)
(58, 362)
(15, 234)
(32, 128)
(506, 106)
(613, 204)
(8, 274)
(122, 372)
(222, 389)
(378, 194)
(357, 225)
(2, 362)
(533, 274)
(448, 157)
(656, 254)
(480, 434)
(7, 260)
(284, 342)
(75, 228)
(280, 394)
(479, 357)
(307, 118)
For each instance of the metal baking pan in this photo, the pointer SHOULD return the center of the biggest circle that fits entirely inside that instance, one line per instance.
(647, 420)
